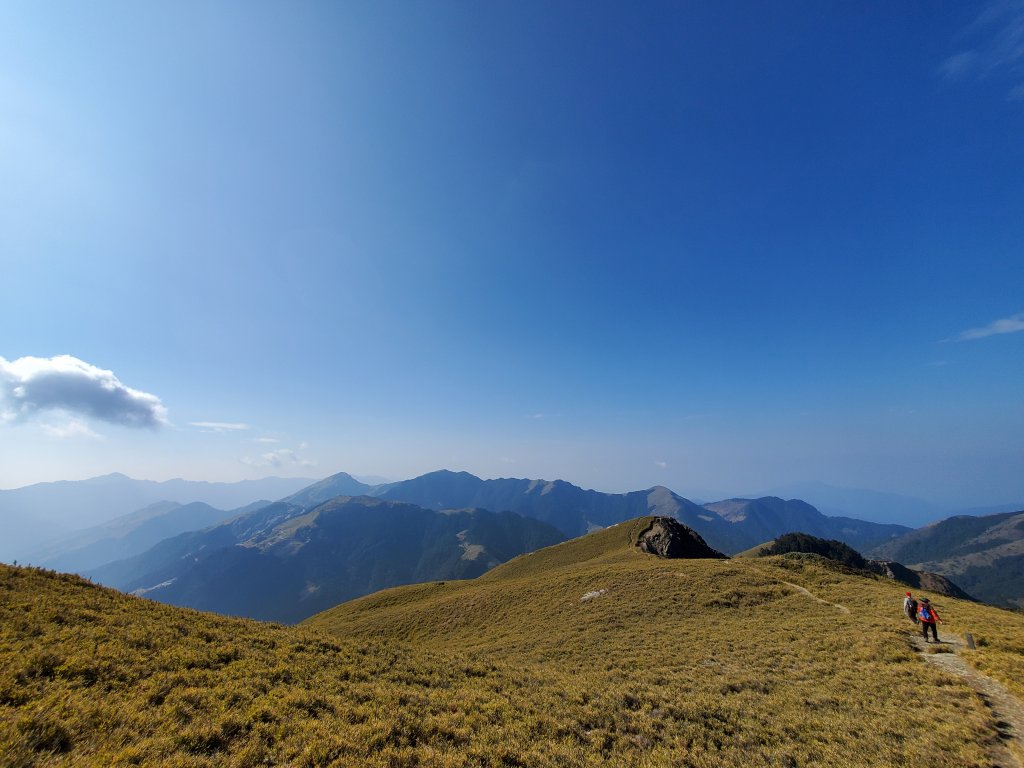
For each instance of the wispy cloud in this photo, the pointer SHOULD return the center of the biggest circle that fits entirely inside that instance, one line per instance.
(959, 66)
(266, 440)
(997, 37)
(218, 426)
(1011, 324)
(30, 385)
(661, 464)
(71, 429)
(283, 457)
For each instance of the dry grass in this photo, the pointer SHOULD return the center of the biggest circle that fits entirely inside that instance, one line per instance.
(676, 663)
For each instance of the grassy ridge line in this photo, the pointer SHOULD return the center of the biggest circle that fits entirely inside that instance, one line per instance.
(833, 688)
(610, 541)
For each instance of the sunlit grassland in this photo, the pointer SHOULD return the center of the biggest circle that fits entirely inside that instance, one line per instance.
(675, 663)
(789, 678)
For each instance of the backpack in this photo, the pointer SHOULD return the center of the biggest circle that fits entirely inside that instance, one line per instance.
(926, 613)
(913, 609)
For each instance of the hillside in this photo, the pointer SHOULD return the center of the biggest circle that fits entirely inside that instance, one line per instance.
(583, 654)
(843, 554)
(284, 563)
(984, 555)
(728, 657)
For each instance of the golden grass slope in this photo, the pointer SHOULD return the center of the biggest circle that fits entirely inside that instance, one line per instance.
(665, 663)
(706, 662)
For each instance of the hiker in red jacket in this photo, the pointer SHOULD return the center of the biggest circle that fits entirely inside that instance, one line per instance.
(926, 613)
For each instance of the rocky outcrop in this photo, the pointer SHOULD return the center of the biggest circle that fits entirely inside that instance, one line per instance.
(667, 537)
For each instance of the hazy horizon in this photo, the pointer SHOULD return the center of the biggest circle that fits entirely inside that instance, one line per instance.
(730, 246)
(821, 495)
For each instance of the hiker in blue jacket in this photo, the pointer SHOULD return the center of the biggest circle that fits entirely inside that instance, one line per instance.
(926, 613)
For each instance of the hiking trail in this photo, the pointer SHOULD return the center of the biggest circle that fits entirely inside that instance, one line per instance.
(804, 591)
(1007, 710)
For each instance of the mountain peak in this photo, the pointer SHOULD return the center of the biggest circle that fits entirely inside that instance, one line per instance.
(448, 473)
(112, 477)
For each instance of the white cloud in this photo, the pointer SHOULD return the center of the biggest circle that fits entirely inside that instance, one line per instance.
(1011, 324)
(71, 429)
(282, 457)
(217, 426)
(266, 440)
(30, 385)
(661, 464)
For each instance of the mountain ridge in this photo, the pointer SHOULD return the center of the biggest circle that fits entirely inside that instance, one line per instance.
(35, 515)
(575, 510)
(984, 555)
(284, 562)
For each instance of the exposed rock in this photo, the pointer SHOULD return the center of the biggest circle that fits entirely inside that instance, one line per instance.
(667, 537)
(932, 582)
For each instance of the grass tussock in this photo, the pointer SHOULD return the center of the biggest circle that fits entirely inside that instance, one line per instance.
(674, 663)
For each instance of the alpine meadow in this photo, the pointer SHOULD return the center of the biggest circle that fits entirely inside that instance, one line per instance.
(525, 384)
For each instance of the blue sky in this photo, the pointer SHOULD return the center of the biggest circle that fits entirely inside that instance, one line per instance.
(717, 246)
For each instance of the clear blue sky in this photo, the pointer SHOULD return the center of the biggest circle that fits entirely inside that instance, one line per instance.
(717, 246)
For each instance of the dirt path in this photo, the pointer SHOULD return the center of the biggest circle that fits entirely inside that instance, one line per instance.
(813, 596)
(1007, 709)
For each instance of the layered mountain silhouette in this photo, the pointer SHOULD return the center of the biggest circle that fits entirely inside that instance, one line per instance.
(322, 545)
(133, 534)
(34, 516)
(203, 566)
(730, 526)
(984, 555)
(861, 503)
(284, 562)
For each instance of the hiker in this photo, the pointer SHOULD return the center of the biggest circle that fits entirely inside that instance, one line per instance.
(926, 613)
(910, 607)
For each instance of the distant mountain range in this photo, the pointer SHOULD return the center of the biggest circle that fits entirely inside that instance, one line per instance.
(730, 526)
(283, 563)
(984, 555)
(200, 555)
(321, 545)
(860, 503)
(133, 534)
(33, 516)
